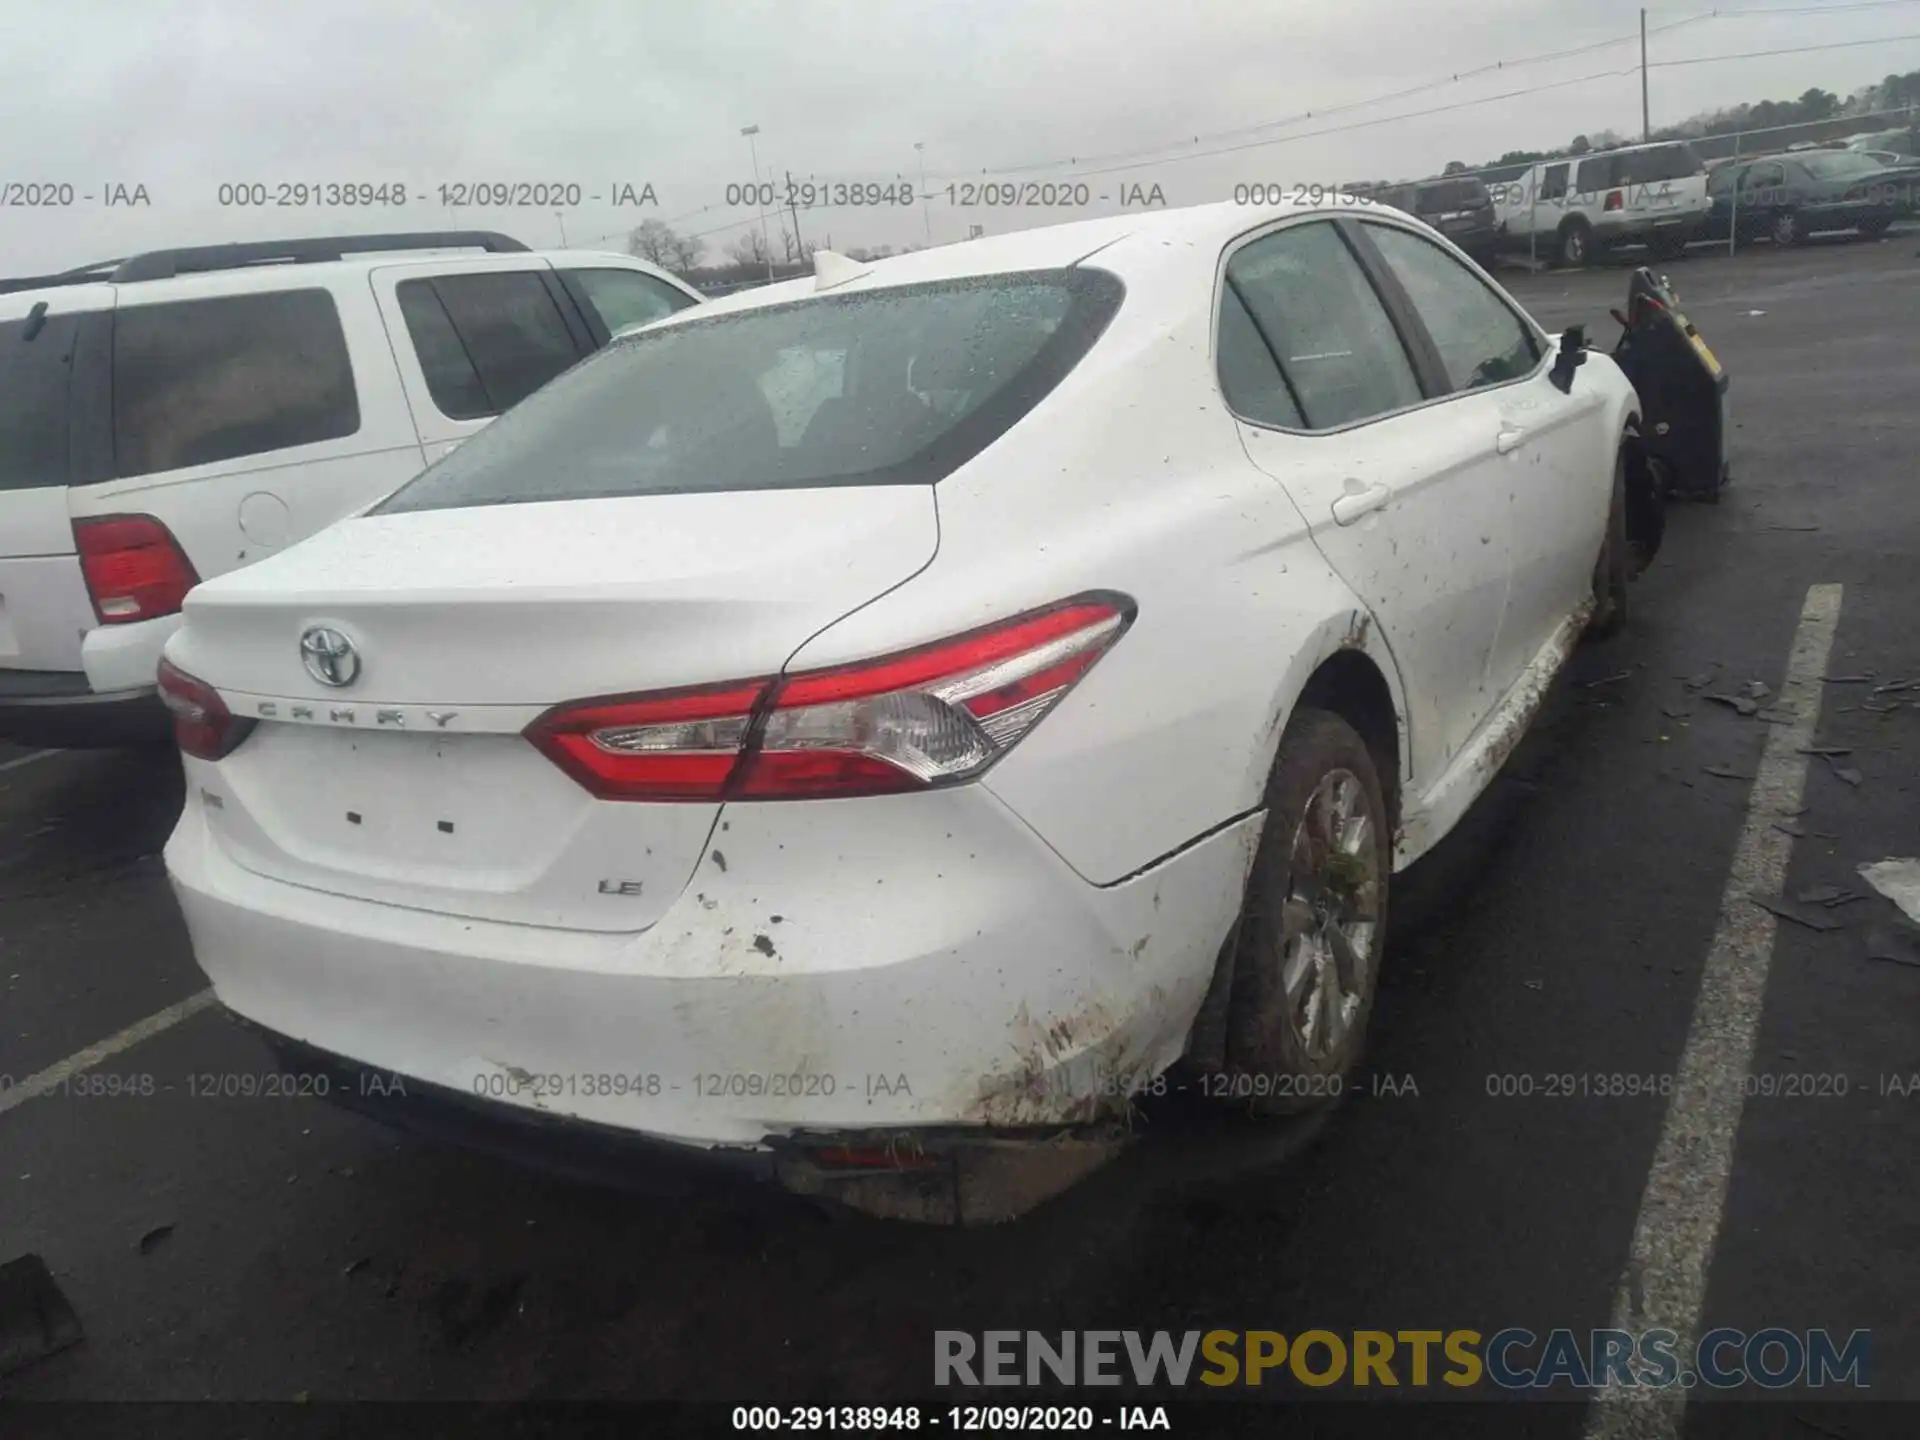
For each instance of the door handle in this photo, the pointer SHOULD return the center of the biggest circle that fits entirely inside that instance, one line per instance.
(1509, 439)
(1355, 503)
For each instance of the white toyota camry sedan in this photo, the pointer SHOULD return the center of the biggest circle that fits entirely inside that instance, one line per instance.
(873, 726)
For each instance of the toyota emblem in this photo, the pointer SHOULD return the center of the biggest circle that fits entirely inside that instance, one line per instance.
(329, 656)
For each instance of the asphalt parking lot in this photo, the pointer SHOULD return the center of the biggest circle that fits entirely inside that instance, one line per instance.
(272, 1248)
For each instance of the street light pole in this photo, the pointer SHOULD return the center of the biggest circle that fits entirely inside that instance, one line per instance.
(750, 131)
(921, 147)
(1646, 115)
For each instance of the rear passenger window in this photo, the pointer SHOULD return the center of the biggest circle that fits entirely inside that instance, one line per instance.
(486, 341)
(1553, 182)
(1480, 340)
(628, 297)
(1309, 298)
(198, 381)
(33, 401)
(1249, 378)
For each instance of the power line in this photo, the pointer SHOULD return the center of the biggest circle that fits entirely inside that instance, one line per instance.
(1496, 67)
(1787, 50)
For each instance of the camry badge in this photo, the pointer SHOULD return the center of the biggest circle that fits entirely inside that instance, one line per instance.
(329, 656)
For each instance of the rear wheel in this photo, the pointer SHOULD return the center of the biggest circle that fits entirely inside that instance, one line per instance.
(1613, 571)
(1307, 955)
(1788, 229)
(1576, 242)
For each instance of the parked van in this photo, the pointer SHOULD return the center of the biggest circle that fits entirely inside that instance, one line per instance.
(182, 413)
(1570, 211)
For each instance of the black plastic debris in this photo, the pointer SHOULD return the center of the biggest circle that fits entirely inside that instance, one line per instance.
(1799, 915)
(1894, 944)
(1735, 702)
(1831, 896)
(1725, 772)
(35, 1319)
(1825, 751)
(152, 1240)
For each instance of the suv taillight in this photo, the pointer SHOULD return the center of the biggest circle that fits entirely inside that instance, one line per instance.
(135, 569)
(1615, 200)
(936, 715)
(202, 724)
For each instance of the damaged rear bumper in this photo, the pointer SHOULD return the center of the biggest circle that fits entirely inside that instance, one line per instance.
(950, 1177)
(891, 1013)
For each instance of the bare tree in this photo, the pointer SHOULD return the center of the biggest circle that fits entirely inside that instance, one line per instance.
(687, 250)
(660, 244)
(749, 249)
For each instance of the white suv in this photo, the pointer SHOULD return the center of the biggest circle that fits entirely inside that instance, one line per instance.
(1575, 209)
(170, 417)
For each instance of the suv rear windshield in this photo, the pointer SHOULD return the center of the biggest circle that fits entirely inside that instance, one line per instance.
(888, 387)
(33, 400)
(1450, 195)
(1662, 162)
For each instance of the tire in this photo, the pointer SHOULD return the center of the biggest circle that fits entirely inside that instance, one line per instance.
(1312, 926)
(1874, 229)
(1613, 571)
(1787, 230)
(1576, 243)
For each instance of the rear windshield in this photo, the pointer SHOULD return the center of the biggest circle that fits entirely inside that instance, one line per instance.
(1662, 162)
(36, 362)
(1840, 164)
(1450, 195)
(887, 387)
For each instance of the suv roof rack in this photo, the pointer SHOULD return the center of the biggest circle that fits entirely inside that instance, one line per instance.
(198, 259)
(82, 275)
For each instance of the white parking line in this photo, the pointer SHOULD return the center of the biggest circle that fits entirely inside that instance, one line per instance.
(1665, 1281)
(56, 1075)
(19, 760)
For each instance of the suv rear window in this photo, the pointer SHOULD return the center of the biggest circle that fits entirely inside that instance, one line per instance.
(33, 401)
(197, 381)
(486, 340)
(889, 387)
(1662, 162)
(1450, 195)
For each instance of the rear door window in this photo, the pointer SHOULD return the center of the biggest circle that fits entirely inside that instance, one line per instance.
(1317, 311)
(1553, 182)
(34, 380)
(1250, 377)
(897, 386)
(486, 340)
(199, 381)
(620, 298)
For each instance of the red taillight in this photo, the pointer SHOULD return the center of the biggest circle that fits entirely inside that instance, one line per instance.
(930, 716)
(135, 569)
(1615, 200)
(202, 724)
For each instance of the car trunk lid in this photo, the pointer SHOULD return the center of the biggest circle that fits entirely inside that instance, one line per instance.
(411, 783)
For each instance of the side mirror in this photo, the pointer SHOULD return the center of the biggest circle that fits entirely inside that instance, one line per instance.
(1573, 354)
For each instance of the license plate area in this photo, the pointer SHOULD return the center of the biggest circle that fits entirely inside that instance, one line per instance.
(468, 812)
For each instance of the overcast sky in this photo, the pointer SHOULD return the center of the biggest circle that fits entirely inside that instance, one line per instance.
(183, 96)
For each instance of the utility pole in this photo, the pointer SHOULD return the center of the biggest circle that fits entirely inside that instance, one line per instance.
(563, 228)
(926, 218)
(1646, 115)
(753, 152)
(798, 244)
